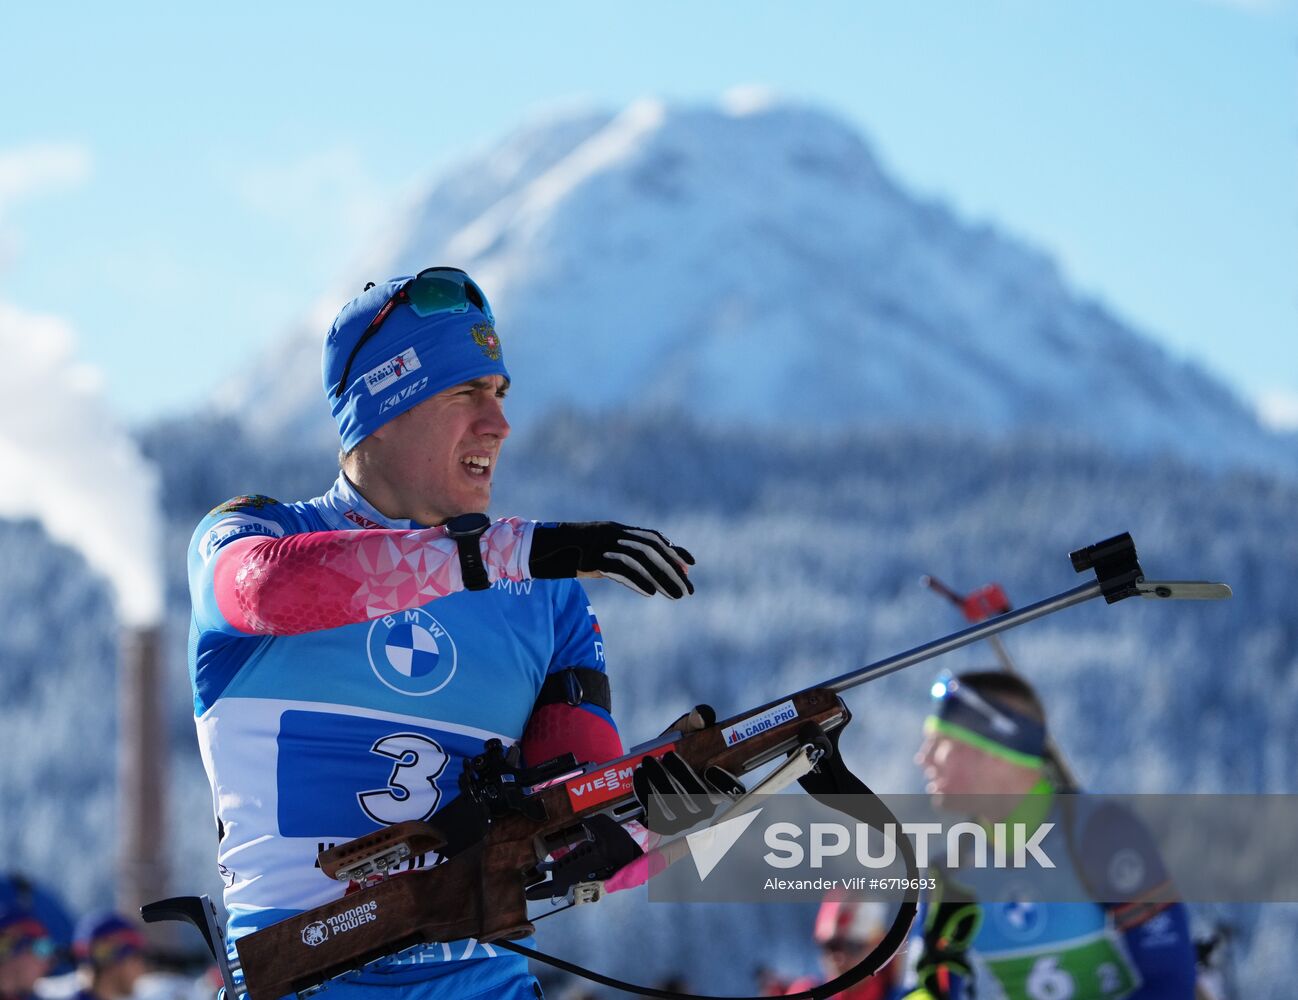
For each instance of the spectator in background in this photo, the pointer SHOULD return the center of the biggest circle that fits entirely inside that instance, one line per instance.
(110, 957)
(846, 931)
(26, 953)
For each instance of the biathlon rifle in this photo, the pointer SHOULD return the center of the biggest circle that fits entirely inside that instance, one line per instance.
(482, 887)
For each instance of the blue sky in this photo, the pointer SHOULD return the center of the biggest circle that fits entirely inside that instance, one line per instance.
(180, 185)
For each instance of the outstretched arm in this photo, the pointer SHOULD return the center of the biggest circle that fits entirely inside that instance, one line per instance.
(248, 578)
(326, 579)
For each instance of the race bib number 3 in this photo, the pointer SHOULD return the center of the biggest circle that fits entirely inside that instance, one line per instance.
(341, 775)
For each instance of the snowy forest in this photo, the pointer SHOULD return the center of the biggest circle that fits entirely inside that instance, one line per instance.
(910, 394)
(809, 550)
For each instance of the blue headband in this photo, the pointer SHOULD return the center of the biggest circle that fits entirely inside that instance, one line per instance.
(960, 711)
(409, 359)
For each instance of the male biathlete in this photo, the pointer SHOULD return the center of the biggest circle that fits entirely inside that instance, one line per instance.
(349, 652)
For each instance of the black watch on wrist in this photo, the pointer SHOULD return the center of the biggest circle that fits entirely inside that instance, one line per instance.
(466, 529)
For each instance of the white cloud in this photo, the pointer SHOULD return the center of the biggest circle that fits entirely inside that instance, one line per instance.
(69, 464)
(326, 195)
(40, 167)
(1278, 409)
(31, 170)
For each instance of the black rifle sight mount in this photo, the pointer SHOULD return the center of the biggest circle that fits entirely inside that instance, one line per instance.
(1115, 564)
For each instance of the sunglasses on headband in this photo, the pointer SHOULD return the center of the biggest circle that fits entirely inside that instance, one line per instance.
(432, 291)
(947, 686)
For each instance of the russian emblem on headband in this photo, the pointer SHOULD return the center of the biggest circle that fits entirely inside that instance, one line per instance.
(484, 335)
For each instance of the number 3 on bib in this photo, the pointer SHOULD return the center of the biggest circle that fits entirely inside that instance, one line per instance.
(412, 792)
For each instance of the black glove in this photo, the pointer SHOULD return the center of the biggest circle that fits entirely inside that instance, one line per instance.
(638, 558)
(673, 795)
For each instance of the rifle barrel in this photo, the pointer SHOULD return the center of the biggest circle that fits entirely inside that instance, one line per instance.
(992, 626)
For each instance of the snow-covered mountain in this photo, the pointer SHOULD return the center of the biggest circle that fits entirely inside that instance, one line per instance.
(752, 266)
(752, 262)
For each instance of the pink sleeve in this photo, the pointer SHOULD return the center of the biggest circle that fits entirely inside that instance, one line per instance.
(325, 579)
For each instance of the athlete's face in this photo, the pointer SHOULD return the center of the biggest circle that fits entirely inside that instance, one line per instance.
(443, 452)
(964, 779)
(954, 770)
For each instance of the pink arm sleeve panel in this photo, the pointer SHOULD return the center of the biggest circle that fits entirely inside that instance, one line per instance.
(326, 579)
(558, 728)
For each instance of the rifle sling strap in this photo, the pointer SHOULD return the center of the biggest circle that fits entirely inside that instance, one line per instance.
(828, 784)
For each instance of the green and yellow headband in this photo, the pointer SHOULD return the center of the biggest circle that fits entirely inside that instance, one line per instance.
(963, 714)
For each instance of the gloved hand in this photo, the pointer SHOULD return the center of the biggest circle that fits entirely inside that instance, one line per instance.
(607, 849)
(638, 558)
(673, 795)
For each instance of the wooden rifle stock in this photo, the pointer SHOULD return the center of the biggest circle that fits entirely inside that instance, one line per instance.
(480, 892)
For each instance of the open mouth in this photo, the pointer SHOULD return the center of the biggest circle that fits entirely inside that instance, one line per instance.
(476, 465)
